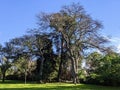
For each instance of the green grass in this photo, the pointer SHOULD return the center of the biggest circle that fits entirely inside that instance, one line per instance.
(53, 86)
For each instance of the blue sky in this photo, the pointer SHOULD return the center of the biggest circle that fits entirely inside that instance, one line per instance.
(16, 16)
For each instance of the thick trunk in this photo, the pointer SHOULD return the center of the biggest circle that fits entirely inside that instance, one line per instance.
(73, 71)
(61, 61)
(60, 70)
(74, 63)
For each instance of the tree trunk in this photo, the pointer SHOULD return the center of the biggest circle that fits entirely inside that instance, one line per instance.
(3, 78)
(77, 77)
(41, 70)
(61, 61)
(25, 76)
(74, 63)
(60, 70)
(73, 71)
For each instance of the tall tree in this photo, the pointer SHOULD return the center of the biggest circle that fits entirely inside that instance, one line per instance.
(78, 30)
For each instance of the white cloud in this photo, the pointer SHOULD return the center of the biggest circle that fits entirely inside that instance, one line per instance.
(118, 48)
(115, 41)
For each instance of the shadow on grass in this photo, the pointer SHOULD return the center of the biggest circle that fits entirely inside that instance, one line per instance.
(9, 82)
(73, 87)
(16, 82)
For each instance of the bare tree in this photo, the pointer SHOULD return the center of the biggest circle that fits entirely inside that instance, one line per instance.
(79, 32)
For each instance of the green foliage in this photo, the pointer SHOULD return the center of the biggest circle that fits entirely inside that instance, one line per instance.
(49, 67)
(82, 75)
(106, 71)
(110, 69)
(71, 32)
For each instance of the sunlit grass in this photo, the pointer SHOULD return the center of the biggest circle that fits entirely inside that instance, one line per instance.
(53, 86)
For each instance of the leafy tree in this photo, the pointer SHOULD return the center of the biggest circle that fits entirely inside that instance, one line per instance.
(41, 43)
(93, 61)
(109, 71)
(7, 54)
(39, 47)
(24, 48)
(5, 64)
(103, 68)
(22, 65)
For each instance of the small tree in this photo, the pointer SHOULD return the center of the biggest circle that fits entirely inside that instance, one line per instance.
(5, 65)
(6, 58)
(22, 65)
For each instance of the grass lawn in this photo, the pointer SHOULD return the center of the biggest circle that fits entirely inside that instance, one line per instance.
(53, 86)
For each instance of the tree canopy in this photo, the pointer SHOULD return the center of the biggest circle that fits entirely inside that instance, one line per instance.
(56, 50)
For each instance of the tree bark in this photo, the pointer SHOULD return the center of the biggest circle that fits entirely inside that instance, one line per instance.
(25, 76)
(77, 77)
(61, 61)
(73, 71)
(41, 70)
(60, 71)
(3, 78)
(74, 63)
